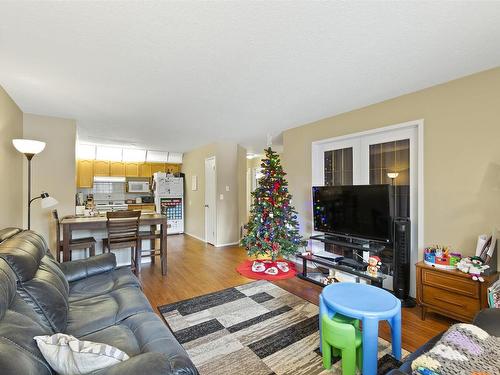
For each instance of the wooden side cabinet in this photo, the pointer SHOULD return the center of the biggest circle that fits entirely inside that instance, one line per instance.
(451, 292)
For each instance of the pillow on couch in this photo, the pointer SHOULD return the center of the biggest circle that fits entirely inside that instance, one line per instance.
(69, 356)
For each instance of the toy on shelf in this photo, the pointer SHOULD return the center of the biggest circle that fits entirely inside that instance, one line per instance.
(441, 257)
(373, 265)
(331, 278)
(474, 266)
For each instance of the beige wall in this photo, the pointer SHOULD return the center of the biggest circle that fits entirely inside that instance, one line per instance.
(242, 188)
(227, 209)
(461, 155)
(53, 170)
(230, 168)
(11, 167)
(193, 164)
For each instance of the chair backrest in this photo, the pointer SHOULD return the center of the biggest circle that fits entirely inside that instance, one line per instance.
(123, 228)
(55, 216)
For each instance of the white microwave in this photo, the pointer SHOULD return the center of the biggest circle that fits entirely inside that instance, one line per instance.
(138, 187)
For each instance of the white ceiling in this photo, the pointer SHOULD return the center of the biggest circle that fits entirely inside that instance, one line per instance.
(177, 75)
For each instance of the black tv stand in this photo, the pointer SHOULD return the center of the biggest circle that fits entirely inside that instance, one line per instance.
(350, 242)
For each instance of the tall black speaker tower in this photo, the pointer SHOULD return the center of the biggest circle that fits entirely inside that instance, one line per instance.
(402, 260)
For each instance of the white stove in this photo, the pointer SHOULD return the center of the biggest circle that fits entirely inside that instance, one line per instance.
(111, 206)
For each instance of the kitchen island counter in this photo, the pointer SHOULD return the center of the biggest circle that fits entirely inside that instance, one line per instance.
(97, 226)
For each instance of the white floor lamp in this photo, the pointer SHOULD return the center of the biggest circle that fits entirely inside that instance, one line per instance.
(30, 148)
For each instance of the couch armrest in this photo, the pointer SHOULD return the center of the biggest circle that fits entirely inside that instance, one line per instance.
(488, 319)
(152, 364)
(83, 268)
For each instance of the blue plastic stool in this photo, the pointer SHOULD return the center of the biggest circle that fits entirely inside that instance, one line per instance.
(370, 305)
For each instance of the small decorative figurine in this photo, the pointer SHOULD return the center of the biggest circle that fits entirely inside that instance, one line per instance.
(373, 265)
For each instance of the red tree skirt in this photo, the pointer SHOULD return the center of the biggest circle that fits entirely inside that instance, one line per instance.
(245, 269)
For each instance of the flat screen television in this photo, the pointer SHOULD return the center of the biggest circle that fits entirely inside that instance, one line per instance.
(360, 211)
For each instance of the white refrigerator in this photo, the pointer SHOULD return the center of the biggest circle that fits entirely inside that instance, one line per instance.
(169, 200)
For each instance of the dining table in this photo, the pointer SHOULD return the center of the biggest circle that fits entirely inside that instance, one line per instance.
(73, 223)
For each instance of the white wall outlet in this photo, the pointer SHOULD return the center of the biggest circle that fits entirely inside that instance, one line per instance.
(227, 187)
(221, 197)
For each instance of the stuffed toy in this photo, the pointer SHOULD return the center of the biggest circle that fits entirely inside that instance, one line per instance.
(474, 266)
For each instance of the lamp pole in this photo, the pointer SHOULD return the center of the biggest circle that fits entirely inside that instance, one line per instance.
(29, 157)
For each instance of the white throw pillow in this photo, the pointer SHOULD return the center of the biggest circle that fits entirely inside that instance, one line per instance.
(69, 356)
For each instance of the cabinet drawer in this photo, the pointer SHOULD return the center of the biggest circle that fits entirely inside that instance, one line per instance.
(449, 301)
(451, 282)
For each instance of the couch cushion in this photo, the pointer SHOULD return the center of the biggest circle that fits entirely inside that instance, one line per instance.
(41, 282)
(18, 351)
(102, 284)
(47, 292)
(144, 333)
(93, 314)
(8, 232)
(24, 252)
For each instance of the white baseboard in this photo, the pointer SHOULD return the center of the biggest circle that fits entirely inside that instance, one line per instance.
(218, 245)
(228, 244)
(192, 235)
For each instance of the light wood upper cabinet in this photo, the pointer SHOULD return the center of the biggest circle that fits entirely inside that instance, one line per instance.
(131, 169)
(87, 169)
(157, 167)
(117, 168)
(145, 170)
(173, 168)
(101, 168)
(85, 174)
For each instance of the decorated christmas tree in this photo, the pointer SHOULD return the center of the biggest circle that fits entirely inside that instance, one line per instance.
(273, 229)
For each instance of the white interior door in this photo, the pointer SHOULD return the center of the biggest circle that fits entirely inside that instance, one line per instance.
(210, 201)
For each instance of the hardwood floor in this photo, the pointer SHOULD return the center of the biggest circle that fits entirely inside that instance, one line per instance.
(195, 268)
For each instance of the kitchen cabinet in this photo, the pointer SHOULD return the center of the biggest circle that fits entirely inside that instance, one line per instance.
(157, 167)
(132, 170)
(173, 168)
(145, 170)
(101, 168)
(117, 168)
(85, 174)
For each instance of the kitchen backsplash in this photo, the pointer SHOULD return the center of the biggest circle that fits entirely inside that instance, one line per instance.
(110, 191)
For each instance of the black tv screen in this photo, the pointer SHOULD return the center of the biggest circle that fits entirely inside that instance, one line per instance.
(362, 211)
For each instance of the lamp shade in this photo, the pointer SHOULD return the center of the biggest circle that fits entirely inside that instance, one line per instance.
(392, 175)
(28, 146)
(48, 202)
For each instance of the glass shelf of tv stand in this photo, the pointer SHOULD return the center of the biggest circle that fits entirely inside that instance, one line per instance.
(372, 247)
(315, 277)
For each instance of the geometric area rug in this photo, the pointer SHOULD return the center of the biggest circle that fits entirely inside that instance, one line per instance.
(256, 328)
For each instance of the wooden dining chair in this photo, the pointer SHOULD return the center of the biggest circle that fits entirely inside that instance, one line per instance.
(123, 232)
(74, 243)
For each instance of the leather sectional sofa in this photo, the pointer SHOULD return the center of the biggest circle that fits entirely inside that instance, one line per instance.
(90, 299)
